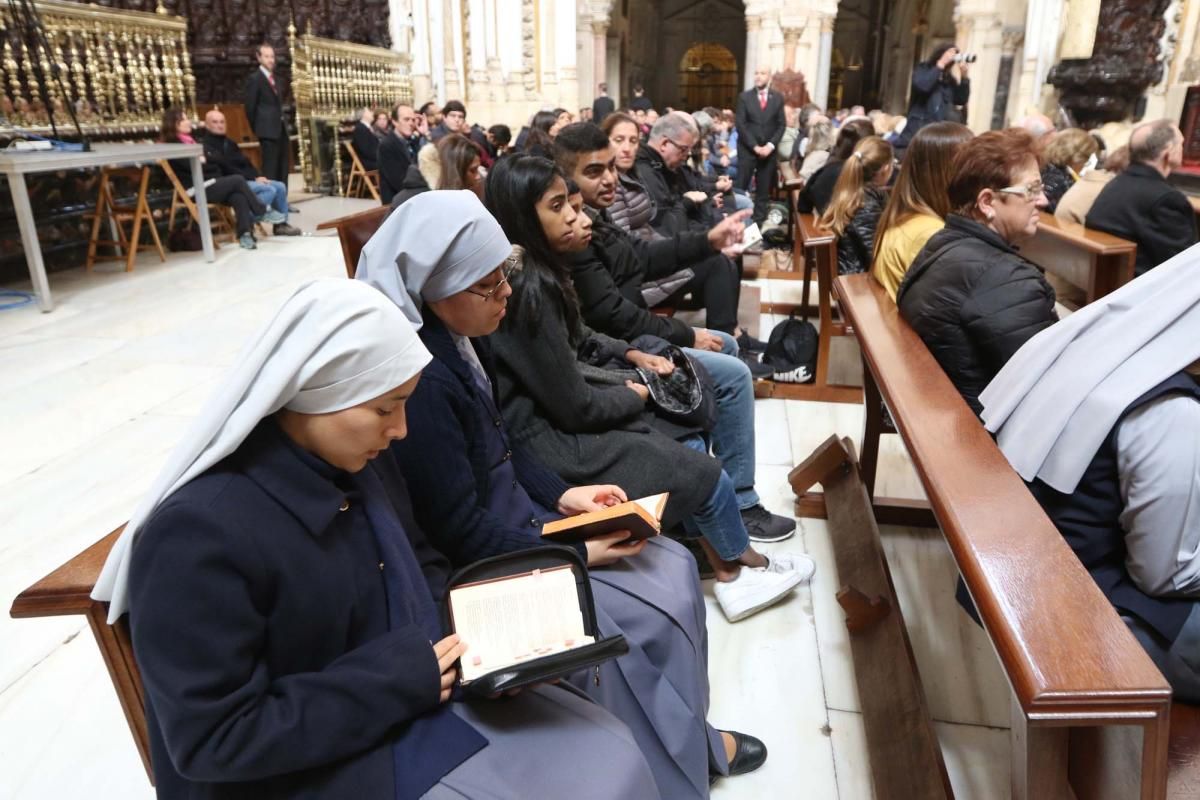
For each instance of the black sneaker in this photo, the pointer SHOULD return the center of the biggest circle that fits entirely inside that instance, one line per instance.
(748, 344)
(283, 229)
(763, 526)
(758, 370)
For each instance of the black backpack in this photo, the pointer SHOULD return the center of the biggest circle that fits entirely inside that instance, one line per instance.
(792, 346)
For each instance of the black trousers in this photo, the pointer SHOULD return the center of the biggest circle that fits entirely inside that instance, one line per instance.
(275, 159)
(716, 285)
(763, 171)
(232, 190)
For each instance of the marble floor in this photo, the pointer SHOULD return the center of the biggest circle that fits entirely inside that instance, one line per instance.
(94, 395)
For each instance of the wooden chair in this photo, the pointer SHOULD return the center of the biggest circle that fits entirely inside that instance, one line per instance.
(1091, 714)
(223, 221)
(354, 231)
(361, 178)
(117, 215)
(1095, 261)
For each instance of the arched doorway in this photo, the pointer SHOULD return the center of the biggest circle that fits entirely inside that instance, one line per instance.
(708, 76)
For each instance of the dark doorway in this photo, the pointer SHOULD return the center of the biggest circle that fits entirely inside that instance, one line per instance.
(708, 76)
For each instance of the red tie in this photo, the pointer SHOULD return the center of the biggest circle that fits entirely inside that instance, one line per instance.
(271, 80)
(762, 100)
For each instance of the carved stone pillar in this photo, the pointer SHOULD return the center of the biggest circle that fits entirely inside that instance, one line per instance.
(1010, 40)
(824, 61)
(599, 56)
(791, 38)
(753, 29)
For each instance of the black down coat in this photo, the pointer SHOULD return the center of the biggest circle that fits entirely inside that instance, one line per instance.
(974, 301)
(856, 245)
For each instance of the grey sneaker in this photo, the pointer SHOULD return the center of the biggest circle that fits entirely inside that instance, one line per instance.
(272, 217)
(763, 526)
(283, 229)
(247, 242)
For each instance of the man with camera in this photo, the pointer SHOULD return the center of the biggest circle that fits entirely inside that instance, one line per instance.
(940, 87)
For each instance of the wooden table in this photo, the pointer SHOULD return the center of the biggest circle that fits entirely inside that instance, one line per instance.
(16, 165)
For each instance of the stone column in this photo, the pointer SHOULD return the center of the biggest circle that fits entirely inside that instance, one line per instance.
(753, 29)
(599, 58)
(791, 38)
(820, 86)
(980, 31)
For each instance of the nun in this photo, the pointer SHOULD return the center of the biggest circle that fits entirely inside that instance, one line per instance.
(446, 262)
(1100, 414)
(283, 601)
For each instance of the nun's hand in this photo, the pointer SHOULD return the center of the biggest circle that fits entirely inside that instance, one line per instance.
(448, 651)
(589, 498)
(610, 548)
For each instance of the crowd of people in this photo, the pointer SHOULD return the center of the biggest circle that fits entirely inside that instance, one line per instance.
(496, 365)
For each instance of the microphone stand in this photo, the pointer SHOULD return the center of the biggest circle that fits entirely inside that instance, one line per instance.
(32, 31)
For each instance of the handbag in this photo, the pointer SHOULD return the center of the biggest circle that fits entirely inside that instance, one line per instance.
(687, 394)
(554, 666)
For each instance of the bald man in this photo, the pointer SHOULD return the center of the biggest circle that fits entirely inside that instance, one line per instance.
(224, 153)
(1140, 205)
(1040, 127)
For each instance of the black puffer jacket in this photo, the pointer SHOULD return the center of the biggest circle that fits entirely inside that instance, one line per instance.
(973, 301)
(857, 243)
(1056, 180)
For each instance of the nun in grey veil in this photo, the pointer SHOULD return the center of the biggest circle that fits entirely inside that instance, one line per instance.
(442, 244)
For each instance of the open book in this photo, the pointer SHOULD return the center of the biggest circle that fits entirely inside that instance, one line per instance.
(517, 618)
(642, 518)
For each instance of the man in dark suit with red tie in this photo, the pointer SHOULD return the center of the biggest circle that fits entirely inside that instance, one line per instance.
(264, 110)
(760, 125)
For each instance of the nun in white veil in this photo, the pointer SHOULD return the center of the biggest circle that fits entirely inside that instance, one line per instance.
(1101, 415)
(282, 601)
(444, 261)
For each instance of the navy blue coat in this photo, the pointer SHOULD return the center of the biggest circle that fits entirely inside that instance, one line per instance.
(259, 616)
(934, 95)
(447, 460)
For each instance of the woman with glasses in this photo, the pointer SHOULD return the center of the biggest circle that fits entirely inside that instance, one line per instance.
(477, 493)
(969, 294)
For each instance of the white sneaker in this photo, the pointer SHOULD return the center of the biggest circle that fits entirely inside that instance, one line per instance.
(752, 591)
(798, 563)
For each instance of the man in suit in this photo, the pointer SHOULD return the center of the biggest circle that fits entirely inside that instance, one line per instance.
(366, 143)
(603, 105)
(1140, 205)
(265, 112)
(760, 125)
(398, 151)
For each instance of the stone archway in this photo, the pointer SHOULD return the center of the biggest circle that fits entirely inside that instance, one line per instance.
(708, 76)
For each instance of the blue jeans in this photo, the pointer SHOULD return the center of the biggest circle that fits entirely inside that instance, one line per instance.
(272, 195)
(742, 200)
(718, 518)
(733, 435)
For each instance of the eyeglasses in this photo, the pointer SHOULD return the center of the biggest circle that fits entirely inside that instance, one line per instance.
(511, 265)
(677, 145)
(1029, 191)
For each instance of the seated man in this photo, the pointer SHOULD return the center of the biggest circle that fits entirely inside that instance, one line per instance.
(682, 199)
(366, 143)
(1098, 416)
(398, 151)
(585, 154)
(606, 272)
(1139, 204)
(224, 154)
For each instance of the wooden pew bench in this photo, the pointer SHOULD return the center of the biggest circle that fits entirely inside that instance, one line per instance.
(1096, 262)
(1085, 694)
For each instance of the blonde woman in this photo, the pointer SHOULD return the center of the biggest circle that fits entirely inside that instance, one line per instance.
(858, 200)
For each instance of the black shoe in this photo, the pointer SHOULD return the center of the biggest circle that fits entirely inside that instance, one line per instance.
(293, 210)
(748, 344)
(763, 526)
(749, 754)
(758, 370)
(283, 229)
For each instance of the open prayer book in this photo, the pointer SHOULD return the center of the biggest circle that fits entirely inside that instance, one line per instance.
(642, 518)
(517, 618)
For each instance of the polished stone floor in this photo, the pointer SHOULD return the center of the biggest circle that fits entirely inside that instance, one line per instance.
(94, 395)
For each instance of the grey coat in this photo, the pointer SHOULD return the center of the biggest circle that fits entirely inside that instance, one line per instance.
(632, 209)
(585, 433)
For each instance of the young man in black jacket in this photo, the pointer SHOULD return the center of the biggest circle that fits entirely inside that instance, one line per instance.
(608, 271)
(224, 154)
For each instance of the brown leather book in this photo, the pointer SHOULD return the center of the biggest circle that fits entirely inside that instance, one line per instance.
(642, 518)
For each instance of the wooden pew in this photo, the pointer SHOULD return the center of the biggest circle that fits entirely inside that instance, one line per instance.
(1072, 664)
(67, 591)
(816, 252)
(354, 231)
(1094, 261)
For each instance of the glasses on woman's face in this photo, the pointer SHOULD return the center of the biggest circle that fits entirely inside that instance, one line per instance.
(1030, 191)
(511, 265)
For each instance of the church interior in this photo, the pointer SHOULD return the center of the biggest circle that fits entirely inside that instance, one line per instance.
(871, 680)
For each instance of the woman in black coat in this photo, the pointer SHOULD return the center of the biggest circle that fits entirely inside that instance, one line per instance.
(604, 434)
(857, 204)
(969, 294)
(284, 604)
(939, 84)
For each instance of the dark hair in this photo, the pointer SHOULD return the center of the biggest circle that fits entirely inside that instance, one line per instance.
(170, 122)
(424, 109)
(616, 118)
(455, 153)
(989, 161)
(454, 105)
(501, 133)
(939, 50)
(514, 187)
(575, 140)
(604, 87)
(639, 89)
(259, 47)
(539, 132)
(849, 135)
(572, 187)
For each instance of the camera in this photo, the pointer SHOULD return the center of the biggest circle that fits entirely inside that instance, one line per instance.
(965, 58)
